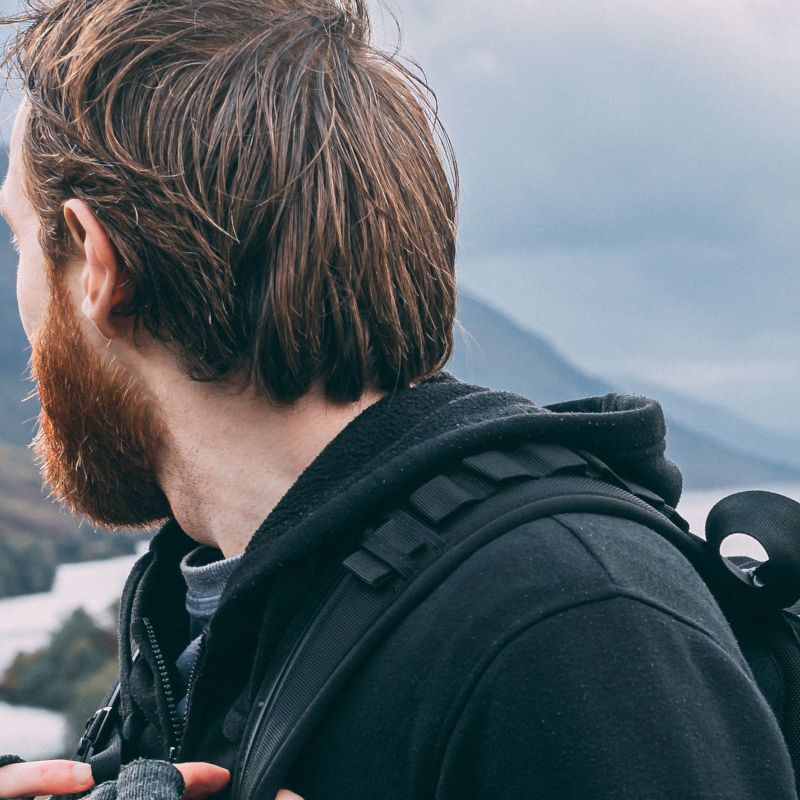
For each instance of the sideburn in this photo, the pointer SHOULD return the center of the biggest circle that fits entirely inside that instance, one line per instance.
(99, 435)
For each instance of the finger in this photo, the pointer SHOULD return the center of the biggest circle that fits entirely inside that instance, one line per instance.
(285, 794)
(45, 777)
(202, 779)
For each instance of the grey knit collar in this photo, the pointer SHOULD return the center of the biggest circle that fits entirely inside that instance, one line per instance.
(205, 573)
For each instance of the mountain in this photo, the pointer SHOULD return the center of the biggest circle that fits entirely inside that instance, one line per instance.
(491, 350)
(36, 535)
(16, 418)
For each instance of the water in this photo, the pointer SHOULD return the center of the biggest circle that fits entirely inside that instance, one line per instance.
(26, 621)
(31, 732)
(25, 624)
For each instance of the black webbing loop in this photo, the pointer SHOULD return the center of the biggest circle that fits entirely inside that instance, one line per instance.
(774, 522)
(107, 763)
(440, 498)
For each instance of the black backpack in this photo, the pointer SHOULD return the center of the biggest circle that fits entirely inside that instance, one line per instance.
(416, 544)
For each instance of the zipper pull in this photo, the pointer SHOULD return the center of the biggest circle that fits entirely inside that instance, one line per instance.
(173, 754)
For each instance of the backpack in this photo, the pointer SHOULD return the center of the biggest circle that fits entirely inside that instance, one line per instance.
(416, 544)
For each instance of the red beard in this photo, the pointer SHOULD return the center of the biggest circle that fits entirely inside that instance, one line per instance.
(98, 432)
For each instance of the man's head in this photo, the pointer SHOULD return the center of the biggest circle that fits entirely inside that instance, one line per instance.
(99, 432)
(271, 191)
(270, 181)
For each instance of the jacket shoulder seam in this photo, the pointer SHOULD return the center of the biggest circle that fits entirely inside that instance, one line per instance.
(559, 520)
(474, 679)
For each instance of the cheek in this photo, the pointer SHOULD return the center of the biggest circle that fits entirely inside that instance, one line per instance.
(33, 295)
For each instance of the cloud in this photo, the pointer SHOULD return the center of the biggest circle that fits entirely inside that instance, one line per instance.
(631, 175)
(616, 120)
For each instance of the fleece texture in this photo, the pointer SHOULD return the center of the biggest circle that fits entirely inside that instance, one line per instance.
(574, 657)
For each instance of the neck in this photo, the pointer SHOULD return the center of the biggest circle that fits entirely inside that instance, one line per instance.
(232, 455)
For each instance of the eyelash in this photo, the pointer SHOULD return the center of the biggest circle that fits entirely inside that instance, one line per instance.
(14, 243)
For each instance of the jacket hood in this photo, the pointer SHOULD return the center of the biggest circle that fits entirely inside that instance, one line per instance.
(411, 435)
(391, 448)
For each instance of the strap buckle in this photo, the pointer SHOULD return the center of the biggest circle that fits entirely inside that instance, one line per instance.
(98, 728)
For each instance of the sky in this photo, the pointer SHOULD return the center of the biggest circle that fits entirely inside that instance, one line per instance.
(631, 182)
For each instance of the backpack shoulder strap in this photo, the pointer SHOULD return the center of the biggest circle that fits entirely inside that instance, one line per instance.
(399, 563)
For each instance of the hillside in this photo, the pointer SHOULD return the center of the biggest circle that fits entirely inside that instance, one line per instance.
(492, 351)
(16, 424)
(36, 536)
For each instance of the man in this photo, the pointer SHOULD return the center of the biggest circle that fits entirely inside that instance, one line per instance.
(236, 245)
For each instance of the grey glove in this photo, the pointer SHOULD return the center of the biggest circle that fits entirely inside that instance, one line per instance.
(145, 779)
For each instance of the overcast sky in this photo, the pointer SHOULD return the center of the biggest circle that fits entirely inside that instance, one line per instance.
(631, 181)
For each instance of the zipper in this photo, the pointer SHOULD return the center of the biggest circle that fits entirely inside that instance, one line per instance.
(192, 676)
(166, 688)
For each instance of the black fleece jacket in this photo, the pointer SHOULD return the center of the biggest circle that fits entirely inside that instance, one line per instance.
(579, 656)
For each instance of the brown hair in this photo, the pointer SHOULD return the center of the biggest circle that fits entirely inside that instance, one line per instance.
(273, 183)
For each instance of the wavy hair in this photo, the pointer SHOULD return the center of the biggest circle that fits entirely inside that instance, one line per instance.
(279, 190)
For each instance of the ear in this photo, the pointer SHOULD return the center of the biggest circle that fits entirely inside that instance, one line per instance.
(101, 278)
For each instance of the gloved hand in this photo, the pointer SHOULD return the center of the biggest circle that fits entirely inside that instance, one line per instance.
(140, 780)
(147, 779)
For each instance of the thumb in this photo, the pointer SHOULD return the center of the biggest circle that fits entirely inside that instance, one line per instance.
(285, 794)
(202, 779)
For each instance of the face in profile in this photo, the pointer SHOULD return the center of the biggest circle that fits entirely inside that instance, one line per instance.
(99, 434)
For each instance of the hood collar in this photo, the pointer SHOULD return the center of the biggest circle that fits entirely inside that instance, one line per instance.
(411, 435)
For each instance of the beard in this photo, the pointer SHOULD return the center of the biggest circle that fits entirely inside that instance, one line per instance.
(99, 433)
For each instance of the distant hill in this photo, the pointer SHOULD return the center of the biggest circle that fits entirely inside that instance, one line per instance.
(491, 350)
(36, 535)
(16, 418)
